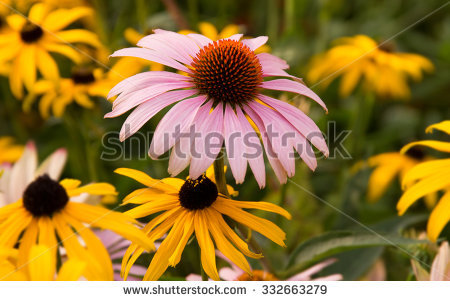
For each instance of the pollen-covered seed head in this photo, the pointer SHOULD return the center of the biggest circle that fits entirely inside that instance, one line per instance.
(227, 71)
(31, 33)
(198, 194)
(44, 196)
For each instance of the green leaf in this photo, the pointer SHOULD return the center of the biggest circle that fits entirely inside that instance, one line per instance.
(331, 243)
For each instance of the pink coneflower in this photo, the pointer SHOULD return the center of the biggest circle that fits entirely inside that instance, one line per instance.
(219, 97)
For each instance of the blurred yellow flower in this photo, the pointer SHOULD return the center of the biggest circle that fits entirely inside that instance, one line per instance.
(38, 267)
(27, 41)
(84, 83)
(9, 152)
(380, 70)
(389, 165)
(428, 177)
(210, 31)
(40, 210)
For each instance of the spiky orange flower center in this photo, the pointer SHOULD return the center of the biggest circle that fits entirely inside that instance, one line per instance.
(258, 275)
(227, 71)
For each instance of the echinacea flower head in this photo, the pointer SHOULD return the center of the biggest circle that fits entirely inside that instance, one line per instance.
(388, 166)
(234, 273)
(429, 177)
(440, 268)
(39, 209)
(9, 151)
(193, 207)
(378, 67)
(39, 266)
(27, 41)
(219, 100)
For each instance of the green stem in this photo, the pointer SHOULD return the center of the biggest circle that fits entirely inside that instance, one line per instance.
(221, 182)
(362, 117)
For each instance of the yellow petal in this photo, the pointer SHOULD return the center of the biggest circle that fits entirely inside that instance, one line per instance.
(70, 184)
(207, 253)
(258, 205)
(47, 65)
(79, 36)
(41, 266)
(228, 31)
(380, 179)
(71, 270)
(94, 189)
(12, 227)
(143, 178)
(439, 217)
(187, 232)
(223, 244)
(93, 245)
(64, 50)
(152, 207)
(61, 18)
(424, 170)
(265, 227)
(208, 30)
(107, 219)
(160, 261)
(437, 145)
(428, 185)
(27, 60)
(231, 235)
(37, 13)
(443, 126)
(28, 240)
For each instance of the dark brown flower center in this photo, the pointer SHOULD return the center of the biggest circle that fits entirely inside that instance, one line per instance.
(83, 76)
(31, 33)
(258, 275)
(198, 194)
(227, 71)
(44, 196)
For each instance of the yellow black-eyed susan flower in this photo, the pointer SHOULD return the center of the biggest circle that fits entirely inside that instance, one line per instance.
(388, 166)
(39, 209)
(429, 177)
(27, 41)
(193, 207)
(39, 266)
(380, 69)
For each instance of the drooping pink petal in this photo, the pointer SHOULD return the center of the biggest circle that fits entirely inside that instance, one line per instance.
(306, 275)
(255, 43)
(271, 69)
(150, 55)
(305, 151)
(147, 110)
(181, 154)
(305, 125)
(265, 58)
(293, 86)
(253, 150)
(53, 165)
(210, 143)
(136, 98)
(281, 135)
(234, 144)
(271, 155)
(134, 82)
(173, 124)
(22, 173)
(228, 274)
